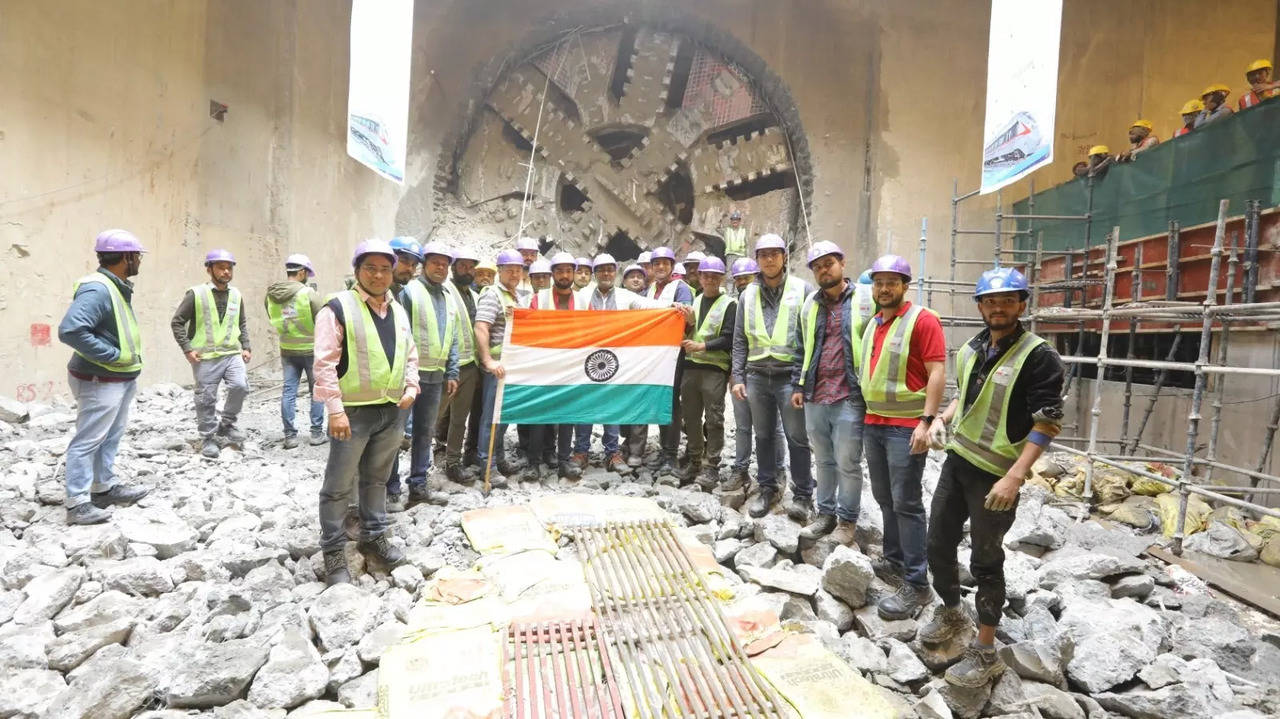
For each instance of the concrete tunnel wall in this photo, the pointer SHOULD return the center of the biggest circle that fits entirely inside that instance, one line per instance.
(108, 126)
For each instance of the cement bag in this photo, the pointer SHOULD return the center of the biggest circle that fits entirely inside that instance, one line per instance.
(1150, 487)
(1110, 485)
(1047, 467)
(1270, 552)
(1137, 511)
(1070, 486)
(303, 713)
(505, 530)
(1197, 519)
(820, 685)
(1223, 541)
(1231, 516)
(1265, 527)
(449, 675)
(538, 587)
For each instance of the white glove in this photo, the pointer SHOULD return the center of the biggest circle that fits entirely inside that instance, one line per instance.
(938, 435)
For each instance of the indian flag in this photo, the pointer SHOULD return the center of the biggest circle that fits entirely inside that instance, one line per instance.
(590, 367)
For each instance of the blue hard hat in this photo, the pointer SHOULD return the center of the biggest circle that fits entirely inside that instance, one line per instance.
(407, 245)
(865, 277)
(1001, 279)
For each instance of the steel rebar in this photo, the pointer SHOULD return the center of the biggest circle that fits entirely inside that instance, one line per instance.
(1135, 294)
(1095, 413)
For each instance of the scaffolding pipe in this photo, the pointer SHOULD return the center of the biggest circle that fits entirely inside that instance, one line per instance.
(1221, 381)
(1197, 395)
(1174, 258)
(924, 231)
(955, 219)
(999, 206)
(1161, 376)
(1252, 218)
(1095, 413)
(1035, 278)
(1076, 218)
(1135, 294)
(1177, 366)
(1268, 439)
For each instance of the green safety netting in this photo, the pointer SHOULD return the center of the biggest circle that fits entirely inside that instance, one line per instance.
(1181, 179)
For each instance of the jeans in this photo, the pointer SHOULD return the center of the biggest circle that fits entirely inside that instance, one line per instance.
(835, 434)
(551, 439)
(489, 392)
(961, 493)
(294, 367)
(102, 411)
(454, 412)
(702, 397)
(424, 420)
(742, 436)
(609, 434)
(895, 483)
(208, 375)
(769, 394)
(376, 431)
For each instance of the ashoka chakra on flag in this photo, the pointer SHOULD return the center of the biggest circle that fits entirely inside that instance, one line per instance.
(590, 367)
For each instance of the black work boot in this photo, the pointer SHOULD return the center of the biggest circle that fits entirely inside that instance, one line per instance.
(570, 470)
(709, 478)
(419, 494)
(689, 473)
(531, 473)
(231, 433)
(798, 508)
(121, 494)
(947, 622)
(764, 501)
(335, 568)
(87, 513)
(889, 572)
(819, 527)
(395, 503)
(291, 441)
(453, 472)
(382, 550)
(741, 480)
(979, 666)
(906, 603)
(666, 466)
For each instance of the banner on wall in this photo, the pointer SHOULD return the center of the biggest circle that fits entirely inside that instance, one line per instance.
(378, 93)
(1022, 89)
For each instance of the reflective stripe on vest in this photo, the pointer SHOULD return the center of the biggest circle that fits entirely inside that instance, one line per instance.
(215, 337)
(433, 347)
(547, 301)
(777, 344)
(707, 329)
(130, 337)
(885, 387)
(509, 301)
(735, 241)
(466, 331)
(293, 322)
(370, 378)
(980, 433)
(809, 332)
(668, 291)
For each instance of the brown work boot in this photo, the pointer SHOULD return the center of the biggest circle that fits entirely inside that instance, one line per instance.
(581, 459)
(615, 463)
(843, 533)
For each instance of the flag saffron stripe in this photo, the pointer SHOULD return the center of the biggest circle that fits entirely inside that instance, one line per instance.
(586, 404)
(596, 328)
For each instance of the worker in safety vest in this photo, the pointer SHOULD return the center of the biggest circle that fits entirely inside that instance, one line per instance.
(436, 325)
(1190, 112)
(486, 274)
(493, 311)
(1258, 74)
(408, 258)
(102, 332)
(830, 331)
(209, 325)
(582, 273)
(1140, 140)
(645, 260)
(764, 354)
(462, 409)
(691, 277)
(539, 275)
(902, 370)
(291, 307)
(552, 444)
(735, 238)
(1008, 408)
(1214, 98)
(367, 376)
(745, 271)
(663, 287)
(528, 248)
(705, 379)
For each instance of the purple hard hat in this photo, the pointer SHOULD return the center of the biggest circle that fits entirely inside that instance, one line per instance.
(644, 257)
(509, 257)
(892, 263)
(117, 241)
(744, 266)
(372, 247)
(602, 259)
(218, 256)
(662, 253)
(632, 268)
(465, 253)
(298, 260)
(584, 262)
(527, 243)
(770, 241)
(437, 248)
(711, 264)
(564, 258)
(822, 249)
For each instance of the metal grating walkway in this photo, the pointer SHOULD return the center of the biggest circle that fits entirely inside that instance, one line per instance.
(560, 669)
(674, 652)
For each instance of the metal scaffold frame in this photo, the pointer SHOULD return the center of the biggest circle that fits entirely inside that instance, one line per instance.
(1210, 316)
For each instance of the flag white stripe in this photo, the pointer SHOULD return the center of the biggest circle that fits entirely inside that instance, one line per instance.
(567, 366)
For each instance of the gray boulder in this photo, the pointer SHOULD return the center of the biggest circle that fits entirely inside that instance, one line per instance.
(292, 675)
(25, 647)
(847, 574)
(800, 579)
(904, 666)
(780, 531)
(208, 675)
(69, 650)
(342, 615)
(114, 691)
(47, 594)
(145, 576)
(830, 609)
(1086, 565)
(1112, 638)
(29, 692)
(760, 554)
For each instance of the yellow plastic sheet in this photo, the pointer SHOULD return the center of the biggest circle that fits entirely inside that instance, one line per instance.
(447, 676)
(820, 685)
(504, 530)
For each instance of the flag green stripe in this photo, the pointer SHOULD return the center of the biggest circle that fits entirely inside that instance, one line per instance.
(586, 404)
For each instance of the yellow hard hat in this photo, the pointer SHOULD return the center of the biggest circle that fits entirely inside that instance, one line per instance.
(1217, 87)
(487, 266)
(1142, 123)
(1191, 106)
(1262, 64)
(1099, 150)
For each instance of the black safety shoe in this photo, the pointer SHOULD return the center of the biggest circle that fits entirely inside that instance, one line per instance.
(382, 550)
(121, 494)
(762, 503)
(335, 568)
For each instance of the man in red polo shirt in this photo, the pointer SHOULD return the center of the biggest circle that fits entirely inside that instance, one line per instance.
(902, 373)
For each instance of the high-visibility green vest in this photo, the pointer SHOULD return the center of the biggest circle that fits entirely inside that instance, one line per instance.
(293, 321)
(735, 241)
(370, 377)
(130, 359)
(509, 301)
(777, 344)
(708, 328)
(547, 300)
(466, 331)
(885, 387)
(215, 337)
(809, 332)
(433, 345)
(980, 434)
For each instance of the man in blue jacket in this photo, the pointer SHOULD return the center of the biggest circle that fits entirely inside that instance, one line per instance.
(103, 373)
